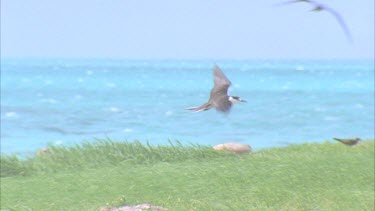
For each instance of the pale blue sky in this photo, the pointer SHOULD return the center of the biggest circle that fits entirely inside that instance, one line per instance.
(185, 29)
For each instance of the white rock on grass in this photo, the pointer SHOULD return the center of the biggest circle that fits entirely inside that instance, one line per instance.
(233, 147)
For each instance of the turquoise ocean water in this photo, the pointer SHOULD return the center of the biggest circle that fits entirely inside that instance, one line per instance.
(70, 101)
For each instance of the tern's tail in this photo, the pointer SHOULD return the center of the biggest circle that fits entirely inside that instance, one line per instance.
(203, 107)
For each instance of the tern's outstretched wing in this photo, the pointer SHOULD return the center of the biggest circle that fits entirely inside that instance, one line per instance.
(341, 22)
(291, 2)
(221, 83)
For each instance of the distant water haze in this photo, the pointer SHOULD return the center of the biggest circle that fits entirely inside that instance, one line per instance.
(66, 102)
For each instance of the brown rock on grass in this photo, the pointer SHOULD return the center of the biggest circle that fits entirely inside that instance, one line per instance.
(234, 148)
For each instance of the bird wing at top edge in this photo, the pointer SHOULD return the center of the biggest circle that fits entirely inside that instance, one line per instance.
(341, 21)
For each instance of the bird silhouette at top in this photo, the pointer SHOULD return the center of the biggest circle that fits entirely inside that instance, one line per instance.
(321, 7)
(219, 98)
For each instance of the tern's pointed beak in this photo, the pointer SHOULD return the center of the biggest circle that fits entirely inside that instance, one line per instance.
(243, 101)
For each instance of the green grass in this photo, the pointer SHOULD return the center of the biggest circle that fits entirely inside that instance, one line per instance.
(102, 153)
(327, 176)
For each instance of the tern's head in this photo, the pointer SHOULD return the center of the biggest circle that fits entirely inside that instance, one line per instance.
(235, 99)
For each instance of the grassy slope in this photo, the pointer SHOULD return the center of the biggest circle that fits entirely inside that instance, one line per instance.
(328, 176)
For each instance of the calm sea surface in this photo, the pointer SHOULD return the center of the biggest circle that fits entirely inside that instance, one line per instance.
(70, 101)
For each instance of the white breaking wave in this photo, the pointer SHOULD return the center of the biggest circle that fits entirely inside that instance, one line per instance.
(111, 85)
(128, 130)
(11, 114)
(169, 113)
(114, 109)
